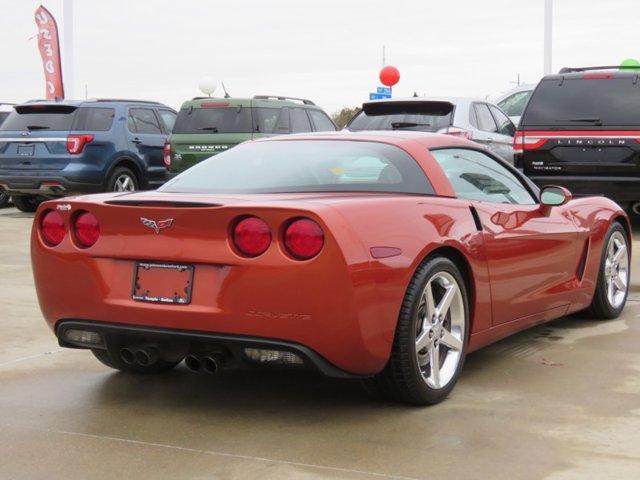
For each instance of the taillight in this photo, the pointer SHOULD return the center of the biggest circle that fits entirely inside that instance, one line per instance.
(76, 143)
(52, 228)
(522, 142)
(166, 153)
(252, 236)
(86, 229)
(303, 239)
(458, 132)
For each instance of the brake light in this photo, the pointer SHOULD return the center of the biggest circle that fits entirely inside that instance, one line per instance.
(458, 132)
(597, 76)
(76, 143)
(252, 236)
(215, 105)
(303, 239)
(166, 153)
(52, 228)
(521, 142)
(86, 229)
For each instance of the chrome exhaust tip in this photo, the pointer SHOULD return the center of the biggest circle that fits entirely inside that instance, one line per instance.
(127, 355)
(192, 362)
(210, 365)
(146, 356)
(636, 208)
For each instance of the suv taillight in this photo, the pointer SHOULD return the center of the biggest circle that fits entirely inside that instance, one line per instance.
(76, 143)
(458, 132)
(522, 142)
(166, 153)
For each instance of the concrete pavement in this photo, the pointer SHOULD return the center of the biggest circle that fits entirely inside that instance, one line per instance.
(560, 401)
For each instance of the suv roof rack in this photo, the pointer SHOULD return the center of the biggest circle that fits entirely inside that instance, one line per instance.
(609, 67)
(121, 100)
(280, 97)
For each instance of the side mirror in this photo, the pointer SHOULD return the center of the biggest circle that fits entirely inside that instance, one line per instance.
(553, 196)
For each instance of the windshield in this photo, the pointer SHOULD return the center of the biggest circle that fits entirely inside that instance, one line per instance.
(215, 119)
(580, 102)
(422, 123)
(305, 166)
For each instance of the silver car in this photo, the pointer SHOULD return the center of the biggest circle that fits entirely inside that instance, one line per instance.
(477, 120)
(514, 101)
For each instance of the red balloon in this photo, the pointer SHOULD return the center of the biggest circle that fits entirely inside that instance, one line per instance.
(389, 76)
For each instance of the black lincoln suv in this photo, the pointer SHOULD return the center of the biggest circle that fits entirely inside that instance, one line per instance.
(581, 130)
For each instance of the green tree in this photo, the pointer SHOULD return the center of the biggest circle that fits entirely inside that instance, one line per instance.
(342, 117)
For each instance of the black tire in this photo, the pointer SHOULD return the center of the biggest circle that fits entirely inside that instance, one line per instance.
(601, 307)
(4, 198)
(119, 173)
(402, 379)
(26, 203)
(112, 360)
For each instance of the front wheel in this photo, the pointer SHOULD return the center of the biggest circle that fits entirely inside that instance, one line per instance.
(612, 285)
(431, 336)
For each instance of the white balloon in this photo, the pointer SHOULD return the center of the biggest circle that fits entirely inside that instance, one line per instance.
(207, 85)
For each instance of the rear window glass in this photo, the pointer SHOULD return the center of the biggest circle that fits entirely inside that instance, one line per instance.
(305, 166)
(40, 117)
(213, 120)
(421, 116)
(94, 119)
(584, 103)
(59, 118)
(514, 104)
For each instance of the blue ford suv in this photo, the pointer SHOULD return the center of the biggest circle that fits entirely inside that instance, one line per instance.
(50, 149)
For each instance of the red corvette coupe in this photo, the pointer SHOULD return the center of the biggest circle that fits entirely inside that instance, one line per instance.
(385, 256)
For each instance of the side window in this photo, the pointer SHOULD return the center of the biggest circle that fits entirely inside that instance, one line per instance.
(131, 124)
(168, 118)
(485, 120)
(145, 121)
(514, 104)
(321, 122)
(476, 176)
(473, 118)
(505, 125)
(299, 121)
(94, 119)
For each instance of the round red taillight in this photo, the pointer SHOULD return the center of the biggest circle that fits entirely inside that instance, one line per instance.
(303, 238)
(52, 228)
(87, 229)
(252, 236)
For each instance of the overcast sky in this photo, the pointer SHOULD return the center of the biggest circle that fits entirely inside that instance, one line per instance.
(326, 50)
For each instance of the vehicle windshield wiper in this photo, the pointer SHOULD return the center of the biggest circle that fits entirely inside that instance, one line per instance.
(595, 120)
(212, 129)
(37, 127)
(409, 125)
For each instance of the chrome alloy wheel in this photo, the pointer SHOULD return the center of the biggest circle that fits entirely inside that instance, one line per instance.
(616, 269)
(124, 183)
(440, 330)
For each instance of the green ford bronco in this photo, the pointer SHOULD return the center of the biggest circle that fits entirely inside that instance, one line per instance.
(207, 126)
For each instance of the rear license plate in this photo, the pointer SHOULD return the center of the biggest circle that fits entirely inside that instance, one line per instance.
(162, 283)
(26, 150)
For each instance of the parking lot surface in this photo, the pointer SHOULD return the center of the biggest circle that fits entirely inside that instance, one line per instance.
(559, 401)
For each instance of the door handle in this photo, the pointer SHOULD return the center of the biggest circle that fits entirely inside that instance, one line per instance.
(136, 140)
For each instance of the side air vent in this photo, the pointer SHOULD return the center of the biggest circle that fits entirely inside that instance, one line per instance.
(476, 218)
(583, 260)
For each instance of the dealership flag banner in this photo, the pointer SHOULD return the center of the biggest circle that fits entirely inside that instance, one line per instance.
(49, 46)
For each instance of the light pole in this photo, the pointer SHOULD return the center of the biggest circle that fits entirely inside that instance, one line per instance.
(548, 27)
(67, 50)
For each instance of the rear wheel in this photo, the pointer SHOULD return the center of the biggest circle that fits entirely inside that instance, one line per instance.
(122, 180)
(613, 278)
(431, 337)
(4, 198)
(26, 203)
(112, 359)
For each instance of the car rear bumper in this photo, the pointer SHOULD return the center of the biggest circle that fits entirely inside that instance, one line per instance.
(231, 343)
(619, 189)
(47, 184)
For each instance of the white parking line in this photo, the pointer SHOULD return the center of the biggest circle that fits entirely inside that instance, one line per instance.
(211, 452)
(30, 357)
